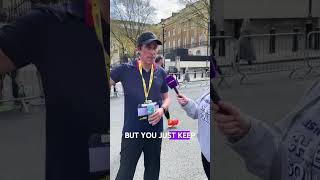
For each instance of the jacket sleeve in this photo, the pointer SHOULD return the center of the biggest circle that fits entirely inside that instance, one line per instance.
(191, 108)
(258, 148)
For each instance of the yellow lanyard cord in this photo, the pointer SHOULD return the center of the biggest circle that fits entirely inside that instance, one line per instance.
(146, 93)
(96, 15)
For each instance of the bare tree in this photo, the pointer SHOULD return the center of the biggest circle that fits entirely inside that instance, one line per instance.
(199, 10)
(133, 17)
(120, 39)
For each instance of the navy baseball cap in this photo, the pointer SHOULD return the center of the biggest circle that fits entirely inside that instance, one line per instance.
(148, 37)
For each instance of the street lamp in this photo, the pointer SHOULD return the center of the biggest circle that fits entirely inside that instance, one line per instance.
(163, 41)
(208, 40)
(309, 24)
(163, 35)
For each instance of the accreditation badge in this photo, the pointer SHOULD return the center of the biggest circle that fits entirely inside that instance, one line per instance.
(146, 109)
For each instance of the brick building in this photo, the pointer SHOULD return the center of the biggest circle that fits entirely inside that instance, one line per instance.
(185, 30)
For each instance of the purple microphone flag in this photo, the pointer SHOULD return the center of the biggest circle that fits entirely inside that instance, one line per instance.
(181, 135)
(171, 81)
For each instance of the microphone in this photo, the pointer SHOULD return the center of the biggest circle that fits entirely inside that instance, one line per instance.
(167, 114)
(172, 83)
(213, 93)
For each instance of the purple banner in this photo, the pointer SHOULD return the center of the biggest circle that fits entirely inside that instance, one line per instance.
(180, 135)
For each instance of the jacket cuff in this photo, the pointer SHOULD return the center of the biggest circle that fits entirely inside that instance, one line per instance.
(251, 139)
(189, 105)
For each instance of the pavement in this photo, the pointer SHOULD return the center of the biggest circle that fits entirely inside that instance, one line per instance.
(22, 142)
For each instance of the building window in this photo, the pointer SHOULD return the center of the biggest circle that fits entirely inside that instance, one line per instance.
(173, 32)
(192, 42)
(179, 42)
(201, 40)
(169, 45)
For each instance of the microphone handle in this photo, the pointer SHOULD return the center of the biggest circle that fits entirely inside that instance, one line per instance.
(214, 95)
(176, 90)
(167, 114)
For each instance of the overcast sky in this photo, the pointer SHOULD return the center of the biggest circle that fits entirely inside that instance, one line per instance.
(165, 8)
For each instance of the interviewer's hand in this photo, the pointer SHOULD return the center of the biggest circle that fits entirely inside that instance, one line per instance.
(182, 100)
(230, 121)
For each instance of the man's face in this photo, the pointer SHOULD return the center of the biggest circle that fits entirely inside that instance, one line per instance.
(161, 62)
(148, 52)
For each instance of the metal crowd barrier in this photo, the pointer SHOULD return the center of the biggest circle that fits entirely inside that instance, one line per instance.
(25, 90)
(116, 90)
(225, 55)
(186, 79)
(267, 53)
(313, 51)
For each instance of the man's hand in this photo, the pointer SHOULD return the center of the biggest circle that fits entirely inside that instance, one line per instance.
(182, 100)
(111, 83)
(156, 116)
(230, 121)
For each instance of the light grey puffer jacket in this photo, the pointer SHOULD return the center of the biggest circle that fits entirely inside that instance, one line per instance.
(291, 149)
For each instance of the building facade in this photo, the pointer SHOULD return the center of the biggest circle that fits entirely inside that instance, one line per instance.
(284, 16)
(185, 37)
(184, 30)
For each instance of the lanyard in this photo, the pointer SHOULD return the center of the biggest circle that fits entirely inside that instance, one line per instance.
(94, 7)
(146, 92)
(96, 17)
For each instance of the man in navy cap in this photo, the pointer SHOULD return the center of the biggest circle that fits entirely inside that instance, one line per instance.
(146, 101)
